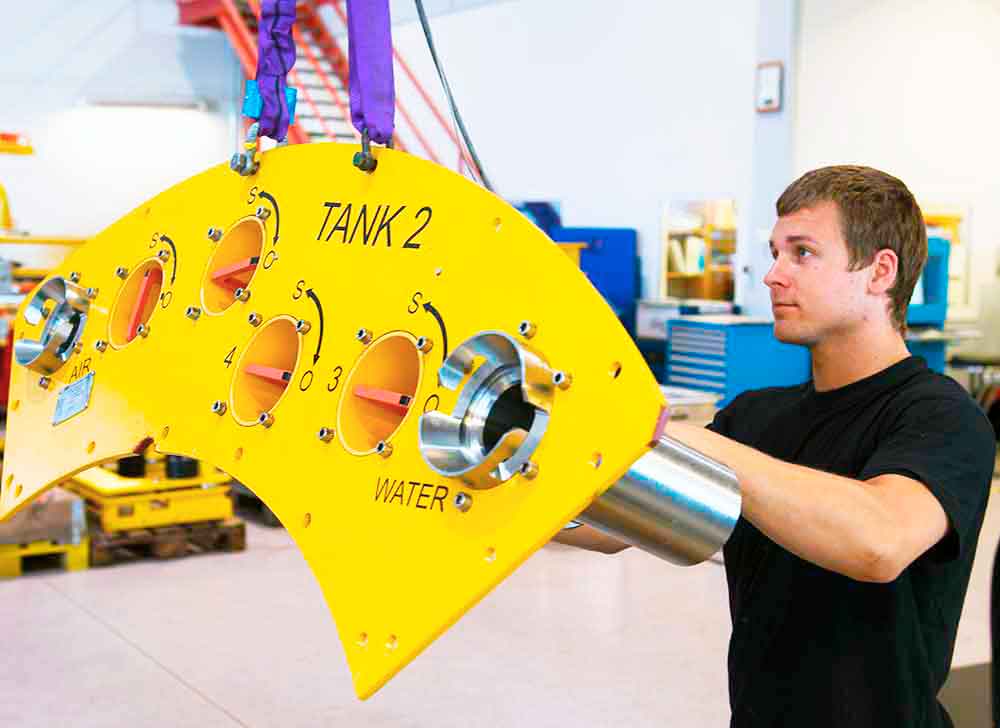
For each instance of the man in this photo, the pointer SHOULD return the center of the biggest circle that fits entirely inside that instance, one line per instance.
(864, 489)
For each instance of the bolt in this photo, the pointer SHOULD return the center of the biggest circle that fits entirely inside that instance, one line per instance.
(263, 213)
(163, 255)
(236, 162)
(46, 313)
(364, 336)
(424, 344)
(121, 271)
(383, 448)
(326, 434)
(529, 470)
(74, 277)
(100, 345)
(44, 382)
(242, 294)
(214, 234)
(266, 419)
(302, 326)
(78, 347)
(562, 380)
(463, 502)
(192, 312)
(527, 329)
(254, 319)
(219, 407)
(142, 330)
(91, 293)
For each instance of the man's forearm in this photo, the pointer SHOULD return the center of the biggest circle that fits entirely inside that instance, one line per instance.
(832, 521)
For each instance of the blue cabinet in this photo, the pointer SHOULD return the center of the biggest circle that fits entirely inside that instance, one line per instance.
(729, 355)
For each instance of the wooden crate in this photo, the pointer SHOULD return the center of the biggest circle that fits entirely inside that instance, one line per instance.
(167, 542)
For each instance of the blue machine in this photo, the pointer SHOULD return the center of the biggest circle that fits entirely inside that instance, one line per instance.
(611, 261)
(932, 312)
(728, 355)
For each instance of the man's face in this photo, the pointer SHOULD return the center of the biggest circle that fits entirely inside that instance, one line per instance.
(813, 294)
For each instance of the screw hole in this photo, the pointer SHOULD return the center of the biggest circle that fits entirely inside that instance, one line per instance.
(497, 224)
(491, 554)
(306, 520)
(18, 490)
(10, 479)
(363, 639)
(14, 405)
(596, 460)
(616, 369)
(438, 272)
(238, 454)
(392, 643)
(91, 446)
(164, 432)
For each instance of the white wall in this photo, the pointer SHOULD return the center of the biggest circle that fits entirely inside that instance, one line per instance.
(611, 109)
(909, 86)
(93, 164)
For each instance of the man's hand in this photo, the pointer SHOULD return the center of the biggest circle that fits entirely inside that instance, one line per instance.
(585, 537)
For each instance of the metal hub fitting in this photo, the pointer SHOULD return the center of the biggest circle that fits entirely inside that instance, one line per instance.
(63, 306)
(500, 415)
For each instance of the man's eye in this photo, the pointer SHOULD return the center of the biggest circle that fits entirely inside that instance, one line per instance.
(802, 252)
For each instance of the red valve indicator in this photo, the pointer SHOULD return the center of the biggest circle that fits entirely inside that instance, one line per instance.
(151, 279)
(390, 400)
(236, 275)
(272, 374)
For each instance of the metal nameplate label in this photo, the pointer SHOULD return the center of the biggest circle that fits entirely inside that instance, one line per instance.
(73, 399)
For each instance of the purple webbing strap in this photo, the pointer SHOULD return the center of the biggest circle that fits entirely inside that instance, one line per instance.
(275, 59)
(373, 95)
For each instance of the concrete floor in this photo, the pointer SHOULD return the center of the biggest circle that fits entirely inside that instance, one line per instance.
(571, 639)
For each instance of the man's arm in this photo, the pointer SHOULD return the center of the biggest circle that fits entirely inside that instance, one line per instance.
(867, 530)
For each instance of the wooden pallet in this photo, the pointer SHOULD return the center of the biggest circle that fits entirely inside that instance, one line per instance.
(167, 542)
(70, 557)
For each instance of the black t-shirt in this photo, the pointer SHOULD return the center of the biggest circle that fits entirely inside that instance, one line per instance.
(810, 647)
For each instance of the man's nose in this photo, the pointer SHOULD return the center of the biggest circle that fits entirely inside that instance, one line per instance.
(776, 276)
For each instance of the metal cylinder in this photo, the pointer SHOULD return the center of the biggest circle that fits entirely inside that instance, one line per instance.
(673, 502)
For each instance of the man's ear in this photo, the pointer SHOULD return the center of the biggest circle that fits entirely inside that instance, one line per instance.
(884, 269)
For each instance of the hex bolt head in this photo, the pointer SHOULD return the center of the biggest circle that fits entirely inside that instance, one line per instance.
(74, 277)
(242, 294)
(192, 312)
(91, 293)
(254, 319)
(364, 336)
(219, 407)
(263, 213)
(215, 234)
(529, 470)
(163, 255)
(302, 326)
(142, 330)
(424, 344)
(266, 419)
(44, 382)
(527, 329)
(463, 502)
(100, 345)
(562, 380)
(383, 448)
(326, 434)
(122, 272)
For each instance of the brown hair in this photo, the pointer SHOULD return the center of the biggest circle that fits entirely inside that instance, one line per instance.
(877, 211)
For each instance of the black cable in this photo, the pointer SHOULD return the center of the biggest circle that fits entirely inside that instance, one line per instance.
(451, 99)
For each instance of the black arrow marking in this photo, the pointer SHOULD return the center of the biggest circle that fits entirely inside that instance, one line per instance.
(277, 215)
(319, 307)
(444, 332)
(168, 241)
